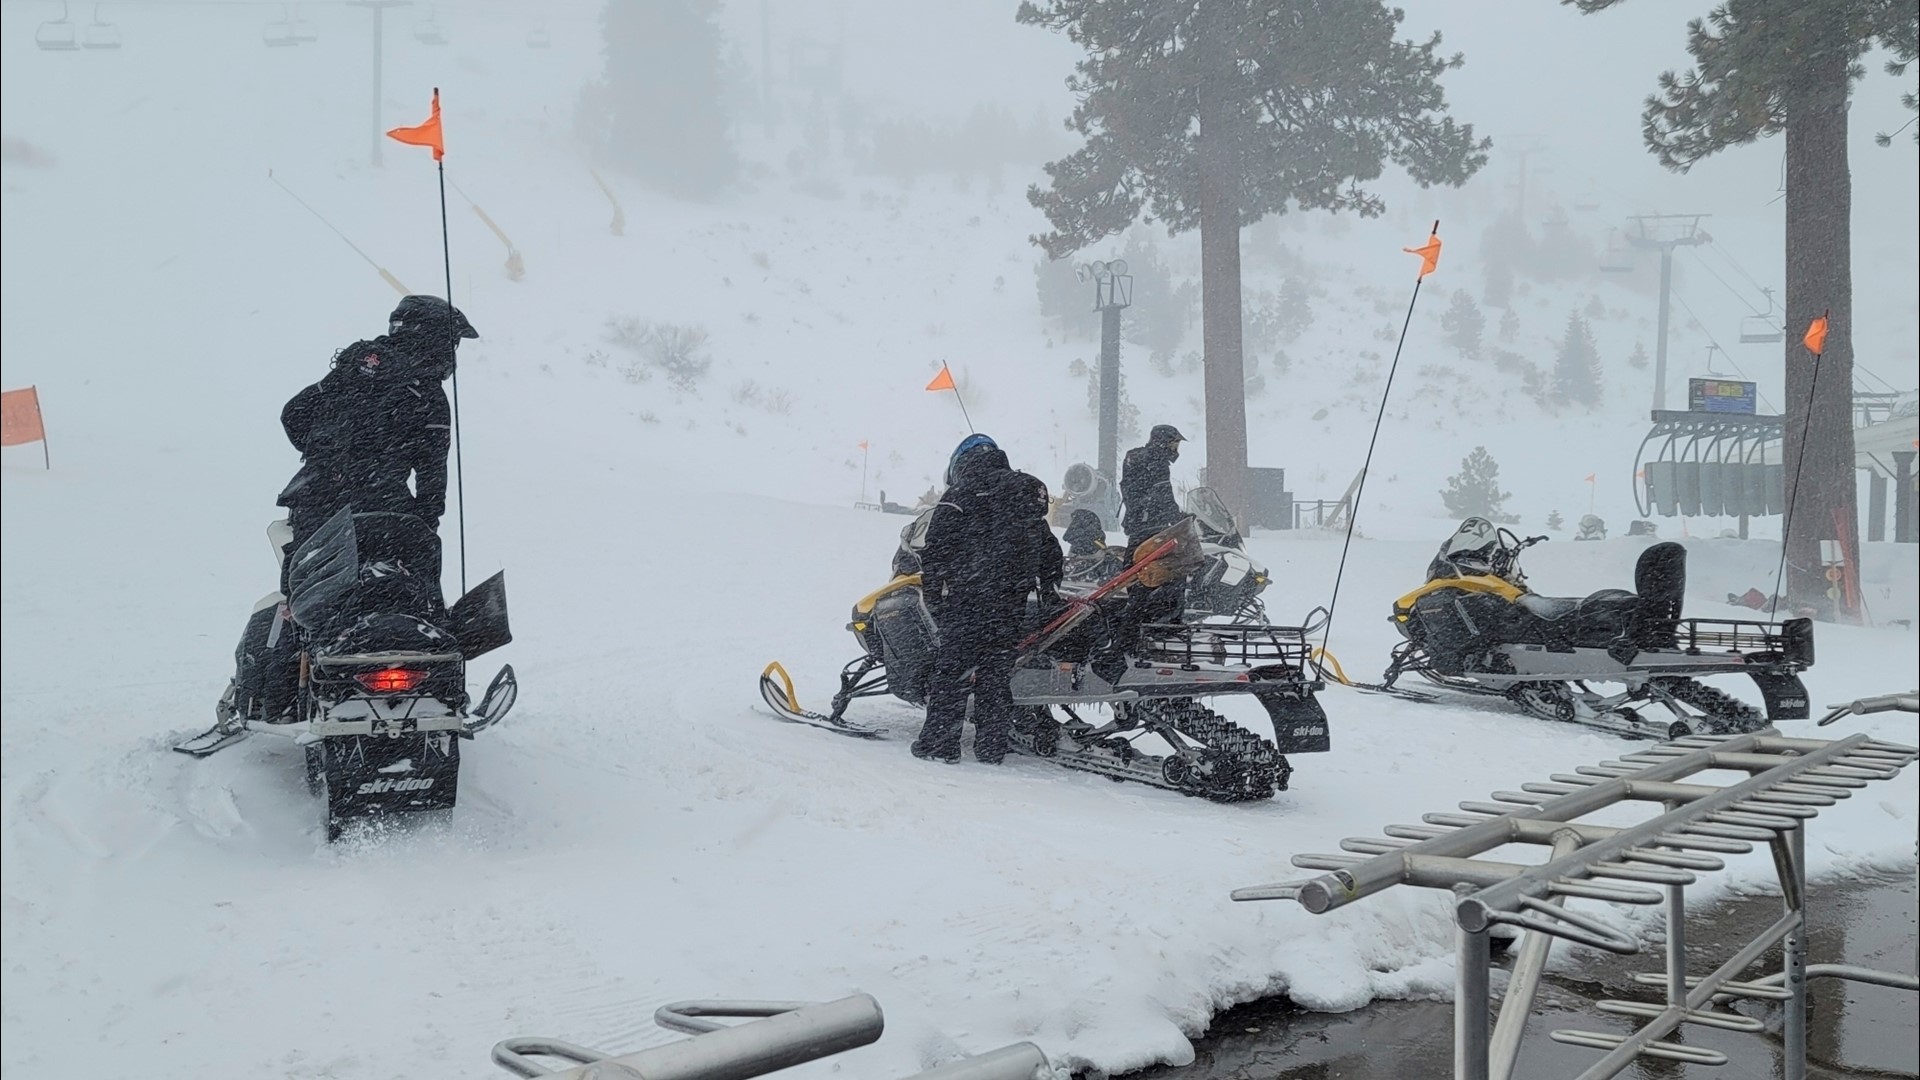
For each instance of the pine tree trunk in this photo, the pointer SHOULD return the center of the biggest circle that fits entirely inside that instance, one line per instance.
(1819, 280)
(1226, 381)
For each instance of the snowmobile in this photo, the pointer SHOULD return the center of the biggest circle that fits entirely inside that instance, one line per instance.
(381, 701)
(1475, 627)
(1227, 586)
(1170, 669)
(1230, 585)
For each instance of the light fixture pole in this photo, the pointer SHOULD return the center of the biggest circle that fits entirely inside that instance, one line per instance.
(379, 9)
(1112, 293)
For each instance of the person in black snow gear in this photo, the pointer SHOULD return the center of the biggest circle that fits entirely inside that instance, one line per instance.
(987, 548)
(378, 420)
(1146, 489)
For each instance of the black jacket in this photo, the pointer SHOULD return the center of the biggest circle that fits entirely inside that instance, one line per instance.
(1146, 487)
(361, 436)
(987, 547)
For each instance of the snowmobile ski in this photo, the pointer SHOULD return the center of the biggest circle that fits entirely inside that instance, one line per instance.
(228, 728)
(211, 741)
(776, 688)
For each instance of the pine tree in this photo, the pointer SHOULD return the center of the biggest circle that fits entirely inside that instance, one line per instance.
(1576, 368)
(1064, 299)
(1638, 361)
(1463, 324)
(1293, 312)
(1475, 490)
(1509, 325)
(1216, 113)
(1772, 67)
(663, 93)
(1555, 522)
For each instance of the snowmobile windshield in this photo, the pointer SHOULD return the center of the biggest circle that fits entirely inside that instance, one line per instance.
(1471, 550)
(1214, 517)
(357, 563)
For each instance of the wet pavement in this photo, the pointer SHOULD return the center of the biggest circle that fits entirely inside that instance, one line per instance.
(1854, 1030)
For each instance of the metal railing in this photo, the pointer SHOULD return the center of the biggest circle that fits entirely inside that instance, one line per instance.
(1788, 781)
(779, 1035)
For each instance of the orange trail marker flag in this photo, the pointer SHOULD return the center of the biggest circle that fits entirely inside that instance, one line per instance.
(944, 381)
(1816, 339)
(1429, 252)
(427, 134)
(20, 421)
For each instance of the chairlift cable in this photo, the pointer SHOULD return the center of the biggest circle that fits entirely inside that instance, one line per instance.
(1675, 293)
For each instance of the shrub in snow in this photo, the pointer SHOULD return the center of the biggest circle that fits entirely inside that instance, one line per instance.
(1475, 490)
(680, 352)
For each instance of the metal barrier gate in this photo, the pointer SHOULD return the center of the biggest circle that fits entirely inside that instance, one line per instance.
(1788, 781)
(781, 1034)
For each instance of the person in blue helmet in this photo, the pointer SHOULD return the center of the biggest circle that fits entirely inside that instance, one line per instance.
(987, 548)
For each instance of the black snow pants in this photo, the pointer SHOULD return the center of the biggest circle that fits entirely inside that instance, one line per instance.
(973, 656)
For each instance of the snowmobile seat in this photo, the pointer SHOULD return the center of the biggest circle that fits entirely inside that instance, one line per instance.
(1660, 577)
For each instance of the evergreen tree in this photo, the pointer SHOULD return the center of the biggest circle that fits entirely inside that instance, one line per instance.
(662, 115)
(1555, 522)
(1463, 324)
(1771, 67)
(1475, 490)
(1161, 309)
(1638, 361)
(1293, 312)
(1509, 325)
(1576, 368)
(1064, 299)
(1216, 113)
(1596, 307)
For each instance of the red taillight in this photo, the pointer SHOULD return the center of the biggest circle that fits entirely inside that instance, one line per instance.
(390, 680)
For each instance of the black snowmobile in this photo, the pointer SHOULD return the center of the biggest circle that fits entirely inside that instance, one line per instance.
(1172, 668)
(381, 701)
(1476, 627)
(1226, 586)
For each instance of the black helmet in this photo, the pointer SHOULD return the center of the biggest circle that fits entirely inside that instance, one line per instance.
(1162, 434)
(426, 315)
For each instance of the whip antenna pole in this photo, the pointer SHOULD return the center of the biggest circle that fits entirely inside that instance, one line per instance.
(1431, 253)
(453, 328)
(1793, 491)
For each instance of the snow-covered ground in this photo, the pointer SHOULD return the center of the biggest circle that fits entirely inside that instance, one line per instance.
(640, 831)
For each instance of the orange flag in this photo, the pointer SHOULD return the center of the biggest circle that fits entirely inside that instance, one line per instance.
(1429, 252)
(1816, 339)
(1591, 476)
(20, 417)
(863, 445)
(943, 381)
(427, 134)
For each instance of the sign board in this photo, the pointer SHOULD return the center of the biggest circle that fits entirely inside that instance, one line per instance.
(1721, 396)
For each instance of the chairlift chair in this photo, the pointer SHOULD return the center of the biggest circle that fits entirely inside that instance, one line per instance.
(100, 33)
(303, 29)
(1617, 258)
(1761, 329)
(280, 34)
(538, 38)
(56, 35)
(1757, 330)
(430, 32)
